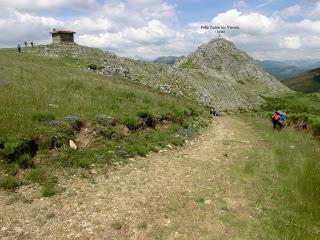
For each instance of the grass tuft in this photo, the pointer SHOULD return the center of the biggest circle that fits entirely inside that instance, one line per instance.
(9, 183)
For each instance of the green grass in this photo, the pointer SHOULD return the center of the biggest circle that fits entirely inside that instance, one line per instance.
(300, 109)
(8, 183)
(41, 91)
(308, 82)
(189, 65)
(286, 169)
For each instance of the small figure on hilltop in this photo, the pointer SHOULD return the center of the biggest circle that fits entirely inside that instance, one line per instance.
(279, 119)
(19, 48)
(31, 43)
(26, 44)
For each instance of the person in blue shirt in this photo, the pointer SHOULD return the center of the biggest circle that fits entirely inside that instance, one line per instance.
(19, 48)
(283, 118)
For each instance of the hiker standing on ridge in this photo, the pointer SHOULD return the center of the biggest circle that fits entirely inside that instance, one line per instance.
(19, 48)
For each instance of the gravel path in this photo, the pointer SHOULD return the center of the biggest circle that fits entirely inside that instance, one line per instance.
(190, 192)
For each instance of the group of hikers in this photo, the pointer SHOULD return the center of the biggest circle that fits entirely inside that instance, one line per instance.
(279, 119)
(25, 44)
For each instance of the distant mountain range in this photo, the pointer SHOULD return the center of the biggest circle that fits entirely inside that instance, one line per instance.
(279, 69)
(170, 60)
(289, 68)
(308, 82)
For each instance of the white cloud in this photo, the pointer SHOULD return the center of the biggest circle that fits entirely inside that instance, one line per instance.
(129, 28)
(240, 4)
(250, 23)
(18, 27)
(308, 26)
(37, 5)
(315, 12)
(148, 28)
(292, 42)
(291, 11)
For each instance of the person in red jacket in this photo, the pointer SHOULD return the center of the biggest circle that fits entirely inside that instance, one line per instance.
(276, 120)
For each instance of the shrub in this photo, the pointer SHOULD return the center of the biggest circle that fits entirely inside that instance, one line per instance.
(139, 149)
(14, 148)
(9, 183)
(25, 161)
(92, 66)
(10, 169)
(58, 140)
(315, 125)
(133, 123)
(82, 161)
(148, 118)
(110, 133)
(37, 175)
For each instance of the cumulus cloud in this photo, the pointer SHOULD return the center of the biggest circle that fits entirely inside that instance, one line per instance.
(148, 28)
(250, 23)
(18, 27)
(135, 27)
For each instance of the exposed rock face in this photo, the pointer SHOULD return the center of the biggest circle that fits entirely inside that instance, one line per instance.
(226, 77)
(216, 75)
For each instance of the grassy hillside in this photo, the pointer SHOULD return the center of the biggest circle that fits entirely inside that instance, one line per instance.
(308, 82)
(45, 102)
(216, 75)
(303, 110)
(284, 168)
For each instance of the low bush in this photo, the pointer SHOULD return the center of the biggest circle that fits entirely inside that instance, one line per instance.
(315, 125)
(25, 161)
(9, 183)
(148, 118)
(10, 169)
(133, 123)
(37, 175)
(92, 66)
(14, 148)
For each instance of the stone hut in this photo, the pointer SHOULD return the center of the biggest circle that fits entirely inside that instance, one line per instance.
(62, 36)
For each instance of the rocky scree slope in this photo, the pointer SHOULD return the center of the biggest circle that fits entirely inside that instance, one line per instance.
(216, 75)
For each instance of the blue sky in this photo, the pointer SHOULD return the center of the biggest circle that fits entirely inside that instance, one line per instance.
(269, 29)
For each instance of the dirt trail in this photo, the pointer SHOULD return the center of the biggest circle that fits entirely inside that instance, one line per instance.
(186, 193)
